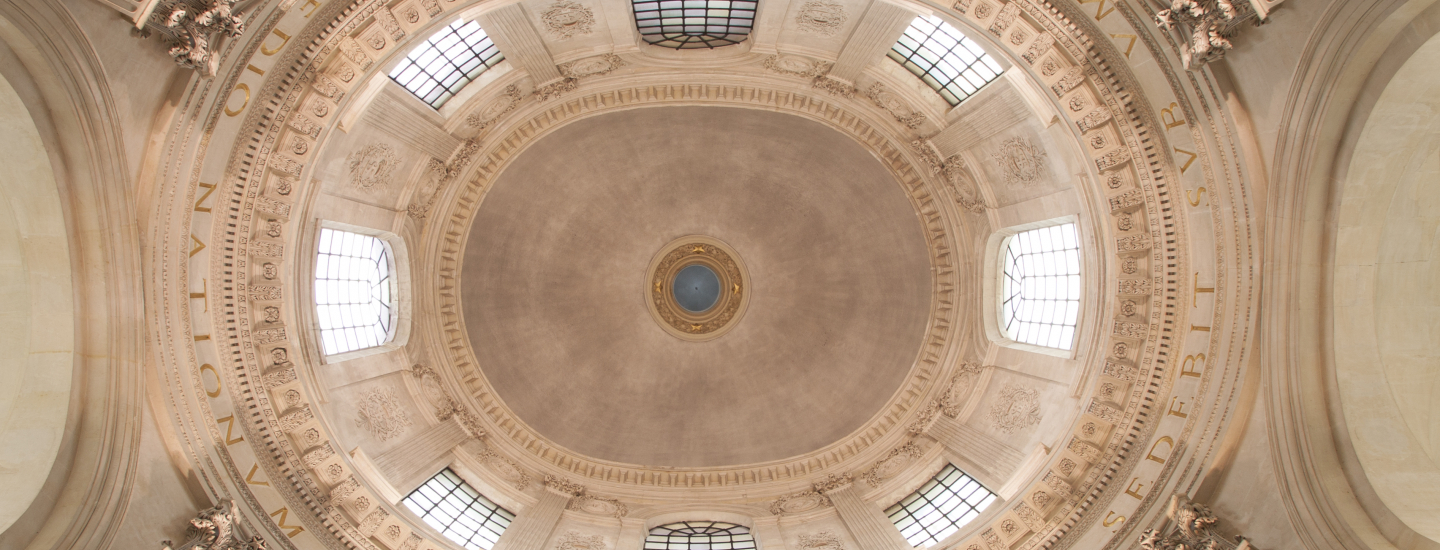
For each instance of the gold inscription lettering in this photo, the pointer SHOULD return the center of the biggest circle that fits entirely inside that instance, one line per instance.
(250, 478)
(1166, 440)
(213, 372)
(1191, 361)
(1187, 164)
(1177, 410)
(1133, 489)
(1199, 289)
(1100, 12)
(268, 51)
(201, 337)
(1194, 199)
(209, 188)
(255, 70)
(233, 112)
(1197, 328)
(204, 287)
(1117, 519)
(198, 246)
(1132, 42)
(1169, 112)
(313, 5)
(229, 422)
(283, 513)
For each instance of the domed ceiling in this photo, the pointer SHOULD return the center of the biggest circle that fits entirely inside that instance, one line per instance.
(554, 286)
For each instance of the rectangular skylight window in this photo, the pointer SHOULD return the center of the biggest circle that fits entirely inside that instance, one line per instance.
(436, 70)
(947, 60)
(459, 512)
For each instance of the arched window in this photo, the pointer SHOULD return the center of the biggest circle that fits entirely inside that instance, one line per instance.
(689, 24)
(354, 291)
(436, 70)
(700, 535)
(942, 56)
(940, 507)
(458, 511)
(1040, 286)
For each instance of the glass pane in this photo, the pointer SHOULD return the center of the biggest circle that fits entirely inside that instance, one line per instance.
(694, 23)
(944, 58)
(1041, 290)
(353, 291)
(456, 509)
(938, 509)
(436, 70)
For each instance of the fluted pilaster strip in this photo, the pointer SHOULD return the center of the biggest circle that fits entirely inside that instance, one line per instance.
(392, 116)
(876, 32)
(866, 523)
(404, 462)
(976, 446)
(517, 39)
(996, 108)
(533, 525)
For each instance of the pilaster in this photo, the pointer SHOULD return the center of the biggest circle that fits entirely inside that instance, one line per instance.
(866, 523)
(391, 115)
(876, 32)
(520, 42)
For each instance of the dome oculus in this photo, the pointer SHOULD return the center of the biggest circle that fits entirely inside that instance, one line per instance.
(697, 288)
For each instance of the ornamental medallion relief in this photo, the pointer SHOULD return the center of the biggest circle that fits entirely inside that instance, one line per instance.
(803, 501)
(724, 308)
(824, 540)
(592, 66)
(372, 166)
(897, 107)
(892, 464)
(822, 18)
(599, 506)
(565, 20)
(573, 540)
(380, 413)
(1021, 163)
(1015, 408)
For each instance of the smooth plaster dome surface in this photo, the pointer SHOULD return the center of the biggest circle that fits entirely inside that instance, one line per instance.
(554, 281)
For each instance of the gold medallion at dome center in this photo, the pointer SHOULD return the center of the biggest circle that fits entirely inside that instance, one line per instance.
(697, 326)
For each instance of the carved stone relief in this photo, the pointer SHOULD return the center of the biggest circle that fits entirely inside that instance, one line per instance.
(1020, 162)
(824, 540)
(897, 107)
(796, 65)
(599, 506)
(895, 461)
(1210, 23)
(1015, 408)
(190, 26)
(956, 175)
(372, 166)
(564, 20)
(380, 413)
(508, 100)
(592, 66)
(506, 468)
(445, 405)
(821, 17)
(216, 528)
(803, 501)
(573, 540)
(1195, 527)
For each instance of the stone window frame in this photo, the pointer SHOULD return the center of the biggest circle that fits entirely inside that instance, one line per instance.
(993, 276)
(488, 57)
(470, 499)
(400, 274)
(922, 501)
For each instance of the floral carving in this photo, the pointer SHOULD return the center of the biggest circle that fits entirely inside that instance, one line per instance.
(380, 413)
(1015, 408)
(592, 66)
(216, 528)
(372, 166)
(797, 66)
(563, 485)
(955, 174)
(832, 482)
(564, 20)
(802, 501)
(1212, 23)
(506, 468)
(1195, 527)
(823, 540)
(897, 459)
(821, 17)
(1020, 162)
(573, 540)
(498, 107)
(897, 107)
(599, 506)
(190, 26)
